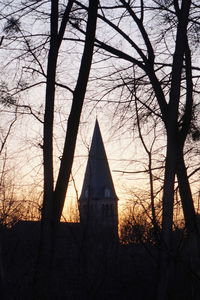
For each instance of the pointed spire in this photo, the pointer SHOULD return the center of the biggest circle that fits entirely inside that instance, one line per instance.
(98, 182)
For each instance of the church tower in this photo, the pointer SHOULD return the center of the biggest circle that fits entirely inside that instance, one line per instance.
(98, 201)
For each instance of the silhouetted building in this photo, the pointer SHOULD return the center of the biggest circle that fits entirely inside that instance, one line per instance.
(98, 201)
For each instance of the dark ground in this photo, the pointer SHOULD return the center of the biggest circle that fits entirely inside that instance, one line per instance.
(89, 270)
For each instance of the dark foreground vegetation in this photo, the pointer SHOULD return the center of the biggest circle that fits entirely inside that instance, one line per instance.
(91, 269)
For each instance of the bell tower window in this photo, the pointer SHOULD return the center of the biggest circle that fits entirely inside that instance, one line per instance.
(107, 193)
(86, 193)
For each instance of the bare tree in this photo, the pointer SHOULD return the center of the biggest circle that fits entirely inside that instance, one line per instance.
(54, 198)
(169, 93)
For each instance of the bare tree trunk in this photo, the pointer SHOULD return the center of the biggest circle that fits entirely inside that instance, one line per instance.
(193, 238)
(186, 196)
(46, 236)
(74, 117)
(45, 247)
(192, 243)
(167, 220)
(184, 185)
(54, 200)
(172, 128)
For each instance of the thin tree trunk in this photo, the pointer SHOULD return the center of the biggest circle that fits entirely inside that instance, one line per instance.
(46, 234)
(186, 196)
(184, 185)
(45, 246)
(167, 220)
(192, 243)
(74, 117)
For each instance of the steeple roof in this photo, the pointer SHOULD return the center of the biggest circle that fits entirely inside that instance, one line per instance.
(98, 182)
